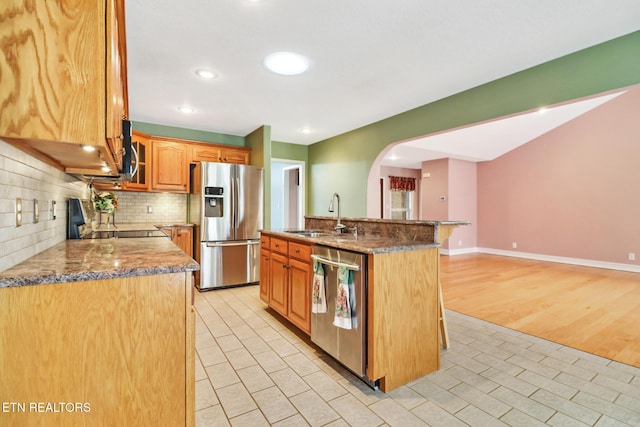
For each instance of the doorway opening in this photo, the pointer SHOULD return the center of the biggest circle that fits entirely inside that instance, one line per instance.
(287, 194)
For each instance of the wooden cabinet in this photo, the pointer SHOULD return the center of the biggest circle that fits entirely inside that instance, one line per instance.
(287, 279)
(125, 348)
(201, 152)
(63, 70)
(182, 236)
(265, 268)
(140, 181)
(169, 167)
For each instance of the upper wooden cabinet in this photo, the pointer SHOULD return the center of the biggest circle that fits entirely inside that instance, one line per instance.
(203, 152)
(63, 68)
(141, 180)
(169, 166)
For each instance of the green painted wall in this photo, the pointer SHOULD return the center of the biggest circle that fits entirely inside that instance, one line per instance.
(342, 163)
(190, 134)
(285, 150)
(260, 143)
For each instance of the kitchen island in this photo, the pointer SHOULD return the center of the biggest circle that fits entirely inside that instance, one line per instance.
(99, 332)
(403, 291)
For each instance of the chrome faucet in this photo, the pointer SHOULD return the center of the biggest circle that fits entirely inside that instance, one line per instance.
(339, 226)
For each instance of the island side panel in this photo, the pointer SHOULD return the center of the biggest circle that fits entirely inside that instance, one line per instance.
(117, 345)
(403, 316)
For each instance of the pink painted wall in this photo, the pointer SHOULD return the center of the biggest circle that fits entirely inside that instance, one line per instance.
(455, 180)
(463, 203)
(573, 192)
(434, 187)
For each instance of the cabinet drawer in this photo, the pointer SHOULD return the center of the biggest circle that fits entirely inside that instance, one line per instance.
(279, 245)
(300, 251)
(265, 242)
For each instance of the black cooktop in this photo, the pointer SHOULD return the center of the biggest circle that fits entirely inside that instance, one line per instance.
(124, 234)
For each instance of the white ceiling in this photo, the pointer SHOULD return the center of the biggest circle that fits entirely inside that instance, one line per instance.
(371, 59)
(487, 141)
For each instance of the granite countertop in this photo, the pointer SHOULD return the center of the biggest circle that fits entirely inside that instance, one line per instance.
(96, 259)
(368, 244)
(395, 221)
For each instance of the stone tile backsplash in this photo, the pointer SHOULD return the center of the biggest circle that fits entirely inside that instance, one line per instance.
(23, 176)
(165, 208)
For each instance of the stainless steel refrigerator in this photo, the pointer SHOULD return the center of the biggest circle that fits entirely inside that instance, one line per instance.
(226, 205)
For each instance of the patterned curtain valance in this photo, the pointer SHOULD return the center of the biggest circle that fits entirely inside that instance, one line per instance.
(402, 183)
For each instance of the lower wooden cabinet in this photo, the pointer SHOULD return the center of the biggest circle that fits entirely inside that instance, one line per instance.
(182, 236)
(112, 352)
(285, 279)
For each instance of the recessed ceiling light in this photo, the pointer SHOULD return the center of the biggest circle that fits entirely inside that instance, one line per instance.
(306, 130)
(89, 148)
(287, 63)
(186, 109)
(106, 169)
(206, 74)
(542, 110)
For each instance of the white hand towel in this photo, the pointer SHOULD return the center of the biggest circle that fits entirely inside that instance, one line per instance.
(318, 297)
(345, 300)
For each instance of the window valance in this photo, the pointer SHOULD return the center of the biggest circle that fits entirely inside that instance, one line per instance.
(402, 183)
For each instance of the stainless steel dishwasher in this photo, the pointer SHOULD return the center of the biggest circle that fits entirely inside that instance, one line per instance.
(348, 346)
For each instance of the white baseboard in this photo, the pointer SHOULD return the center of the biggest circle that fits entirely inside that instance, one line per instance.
(550, 258)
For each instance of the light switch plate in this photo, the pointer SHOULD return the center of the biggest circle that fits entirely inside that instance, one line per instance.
(18, 211)
(36, 212)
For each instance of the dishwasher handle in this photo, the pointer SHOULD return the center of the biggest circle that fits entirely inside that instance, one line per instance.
(335, 263)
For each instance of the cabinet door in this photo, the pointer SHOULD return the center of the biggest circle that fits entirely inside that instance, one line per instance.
(300, 294)
(114, 81)
(265, 275)
(183, 237)
(140, 181)
(170, 170)
(231, 155)
(278, 298)
(202, 153)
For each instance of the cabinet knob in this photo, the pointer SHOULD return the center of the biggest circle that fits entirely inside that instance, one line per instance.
(297, 251)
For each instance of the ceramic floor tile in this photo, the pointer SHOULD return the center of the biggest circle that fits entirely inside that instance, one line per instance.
(314, 410)
(205, 395)
(289, 382)
(212, 417)
(395, 414)
(324, 385)
(354, 412)
(235, 400)
(240, 358)
(274, 404)
(252, 369)
(222, 375)
(253, 419)
(254, 378)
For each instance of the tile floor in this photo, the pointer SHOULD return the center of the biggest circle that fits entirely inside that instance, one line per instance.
(252, 370)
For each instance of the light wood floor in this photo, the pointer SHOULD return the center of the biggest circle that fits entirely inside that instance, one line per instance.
(591, 309)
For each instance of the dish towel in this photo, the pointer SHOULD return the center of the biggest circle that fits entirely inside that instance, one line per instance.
(345, 300)
(318, 297)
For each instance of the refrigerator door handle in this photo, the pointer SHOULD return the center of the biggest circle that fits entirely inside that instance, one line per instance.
(242, 243)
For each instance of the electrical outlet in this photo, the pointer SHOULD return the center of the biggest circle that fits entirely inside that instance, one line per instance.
(514, 245)
(632, 256)
(149, 209)
(54, 210)
(459, 242)
(36, 211)
(18, 211)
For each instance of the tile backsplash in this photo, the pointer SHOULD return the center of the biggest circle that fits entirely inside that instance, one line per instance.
(133, 207)
(24, 177)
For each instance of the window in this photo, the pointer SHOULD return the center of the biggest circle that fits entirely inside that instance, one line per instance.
(402, 189)
(401, 204)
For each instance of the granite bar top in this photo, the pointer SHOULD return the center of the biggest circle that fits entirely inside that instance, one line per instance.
(368, 244)
(140, 226)
(97, 259)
